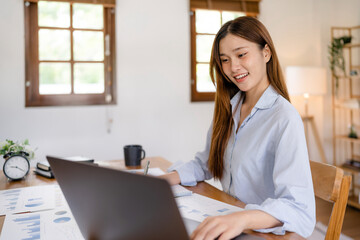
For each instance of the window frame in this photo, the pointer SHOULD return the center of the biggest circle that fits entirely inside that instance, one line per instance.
(195, 95)
(33, 98)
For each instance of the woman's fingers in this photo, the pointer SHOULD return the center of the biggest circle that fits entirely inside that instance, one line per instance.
(224, 227)
(213, 227)
(216, 231)
(229, 234)
(200, 232)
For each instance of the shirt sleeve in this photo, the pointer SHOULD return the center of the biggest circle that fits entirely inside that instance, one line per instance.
(195, 170)
(294, 201)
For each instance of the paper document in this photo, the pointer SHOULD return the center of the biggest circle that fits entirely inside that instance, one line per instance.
(198, 207)
(30, 199)
(151, 171)
(178, 190)
(56, 224)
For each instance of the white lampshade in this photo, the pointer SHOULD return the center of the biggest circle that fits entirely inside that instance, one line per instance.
(306, 80)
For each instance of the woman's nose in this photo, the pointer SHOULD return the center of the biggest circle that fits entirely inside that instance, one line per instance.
(235, 65)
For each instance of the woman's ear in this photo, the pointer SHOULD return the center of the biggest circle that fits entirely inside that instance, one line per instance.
(267, 53)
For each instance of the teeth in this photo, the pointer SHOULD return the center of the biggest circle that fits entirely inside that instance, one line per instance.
(242, 75)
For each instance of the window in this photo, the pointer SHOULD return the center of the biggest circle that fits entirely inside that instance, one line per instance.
(70, 53)
(206, 19)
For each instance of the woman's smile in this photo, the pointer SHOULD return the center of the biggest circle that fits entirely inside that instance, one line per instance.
(241, 77)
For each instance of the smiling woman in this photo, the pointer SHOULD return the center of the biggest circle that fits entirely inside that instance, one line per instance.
(256, 144)
(60, 69)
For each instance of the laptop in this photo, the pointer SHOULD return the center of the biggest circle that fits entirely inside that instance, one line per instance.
(113, 204)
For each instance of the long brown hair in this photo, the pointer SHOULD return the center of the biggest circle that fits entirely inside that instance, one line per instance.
(252, 30)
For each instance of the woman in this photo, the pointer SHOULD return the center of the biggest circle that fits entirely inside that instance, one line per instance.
(256, 145)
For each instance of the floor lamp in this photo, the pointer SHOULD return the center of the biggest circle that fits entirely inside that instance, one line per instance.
(308, 81)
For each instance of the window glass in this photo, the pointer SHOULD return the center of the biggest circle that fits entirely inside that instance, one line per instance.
(207, 21)
(203, 47)
(54, 44)
(55, 78)
(203, 80)
(53, 14)
(88, 46)
(227, 16)
(88, 77)
(89, 16)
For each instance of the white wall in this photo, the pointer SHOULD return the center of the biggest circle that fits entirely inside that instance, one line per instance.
(301, 33)
(153, 69)
(153, 109)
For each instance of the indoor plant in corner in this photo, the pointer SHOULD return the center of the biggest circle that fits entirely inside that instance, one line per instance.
(336, 58)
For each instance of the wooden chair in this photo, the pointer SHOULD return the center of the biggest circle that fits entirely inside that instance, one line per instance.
(331, 185)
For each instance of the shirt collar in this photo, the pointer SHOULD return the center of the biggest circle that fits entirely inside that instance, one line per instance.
(266, 100)
(235, 99)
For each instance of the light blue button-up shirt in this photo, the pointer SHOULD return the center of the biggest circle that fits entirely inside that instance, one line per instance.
(266, 164)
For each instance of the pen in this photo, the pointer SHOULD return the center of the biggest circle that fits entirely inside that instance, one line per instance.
(147, 167)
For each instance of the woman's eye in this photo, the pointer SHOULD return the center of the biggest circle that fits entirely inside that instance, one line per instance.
(241, 55)
(224, 60)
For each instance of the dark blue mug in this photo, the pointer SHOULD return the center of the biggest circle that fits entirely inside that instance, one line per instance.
(133, 155)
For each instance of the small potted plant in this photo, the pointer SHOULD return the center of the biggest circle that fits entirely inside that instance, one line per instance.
(336, 58)
(9, 148)
(352, 133)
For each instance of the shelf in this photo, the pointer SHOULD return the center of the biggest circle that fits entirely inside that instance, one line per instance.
(347, 139)
(356, 77)
(346, 108)
(345, 78)
(350, 170)
(346, 99)
(354, 201)
(351, 45)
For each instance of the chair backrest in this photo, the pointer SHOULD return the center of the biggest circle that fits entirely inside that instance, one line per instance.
(331, 185)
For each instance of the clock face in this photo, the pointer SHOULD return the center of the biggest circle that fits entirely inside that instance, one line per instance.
(16, 167)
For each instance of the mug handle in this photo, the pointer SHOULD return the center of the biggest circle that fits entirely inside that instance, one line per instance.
(143, 151)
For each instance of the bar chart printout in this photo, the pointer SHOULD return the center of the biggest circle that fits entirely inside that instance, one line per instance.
(9, 200)
(25, 226)
(28, 199)
(57, 224)
(198, 207)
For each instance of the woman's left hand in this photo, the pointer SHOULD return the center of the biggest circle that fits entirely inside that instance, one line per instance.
(224, 227)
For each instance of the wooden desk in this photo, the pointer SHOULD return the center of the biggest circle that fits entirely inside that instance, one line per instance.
(201, 188)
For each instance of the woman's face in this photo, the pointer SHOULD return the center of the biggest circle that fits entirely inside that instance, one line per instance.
(244, 63)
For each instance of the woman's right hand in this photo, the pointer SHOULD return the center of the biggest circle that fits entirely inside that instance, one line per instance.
(173, 177)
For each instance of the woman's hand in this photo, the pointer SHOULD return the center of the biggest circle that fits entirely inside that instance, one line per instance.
(232, 225)
(224, 227)
(173, 178)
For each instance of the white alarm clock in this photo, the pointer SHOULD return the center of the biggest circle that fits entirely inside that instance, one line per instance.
(16, 166)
